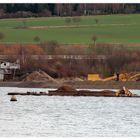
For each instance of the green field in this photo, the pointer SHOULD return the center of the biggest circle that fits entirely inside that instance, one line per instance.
(110, 29)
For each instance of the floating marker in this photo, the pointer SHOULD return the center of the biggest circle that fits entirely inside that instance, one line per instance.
(13, 98)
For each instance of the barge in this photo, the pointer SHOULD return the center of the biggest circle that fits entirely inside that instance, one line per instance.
(67, 91)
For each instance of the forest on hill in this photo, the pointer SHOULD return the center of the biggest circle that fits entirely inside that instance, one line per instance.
(16, 10)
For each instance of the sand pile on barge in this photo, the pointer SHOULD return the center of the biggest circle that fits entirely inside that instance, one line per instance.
(66, 88)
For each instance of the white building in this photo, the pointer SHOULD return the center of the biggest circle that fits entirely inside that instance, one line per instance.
(7, 67)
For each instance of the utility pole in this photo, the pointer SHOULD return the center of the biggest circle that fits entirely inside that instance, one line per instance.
(14, 74)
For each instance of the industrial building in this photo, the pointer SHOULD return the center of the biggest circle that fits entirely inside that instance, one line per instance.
(8, 68)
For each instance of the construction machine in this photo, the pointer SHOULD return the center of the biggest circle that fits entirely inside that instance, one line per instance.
(133, 76)
(121, 77)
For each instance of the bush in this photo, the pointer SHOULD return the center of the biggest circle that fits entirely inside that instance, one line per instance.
(68, 20)
(36, 39)
(76, 19)
(50, 46)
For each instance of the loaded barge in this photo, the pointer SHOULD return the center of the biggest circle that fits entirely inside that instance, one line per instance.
(70, 91)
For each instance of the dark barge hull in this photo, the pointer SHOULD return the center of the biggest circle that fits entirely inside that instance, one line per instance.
(106, 93)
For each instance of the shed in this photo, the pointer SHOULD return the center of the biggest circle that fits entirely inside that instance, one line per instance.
(8, 65)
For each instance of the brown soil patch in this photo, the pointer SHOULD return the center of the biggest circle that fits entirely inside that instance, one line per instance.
(75, 26)
(53, 27)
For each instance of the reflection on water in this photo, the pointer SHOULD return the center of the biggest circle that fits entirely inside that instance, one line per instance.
(68, 116)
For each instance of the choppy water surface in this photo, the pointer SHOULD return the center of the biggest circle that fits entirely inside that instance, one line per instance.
(68, 116)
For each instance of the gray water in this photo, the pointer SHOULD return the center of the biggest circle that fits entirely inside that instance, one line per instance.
(68, 116)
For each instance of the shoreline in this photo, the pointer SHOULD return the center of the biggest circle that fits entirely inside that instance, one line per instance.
(75, 84)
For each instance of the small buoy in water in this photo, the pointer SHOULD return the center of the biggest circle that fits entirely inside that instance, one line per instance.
(13, 98)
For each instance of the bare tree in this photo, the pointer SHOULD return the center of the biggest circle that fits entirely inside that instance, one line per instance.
(68, 20)
(50, 46)
(1, 36)
(24, 23)
(94, 39)
(96, 20)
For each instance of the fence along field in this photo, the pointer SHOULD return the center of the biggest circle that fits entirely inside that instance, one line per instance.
(107, 28)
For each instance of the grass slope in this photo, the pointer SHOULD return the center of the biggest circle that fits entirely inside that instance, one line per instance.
(111, 28)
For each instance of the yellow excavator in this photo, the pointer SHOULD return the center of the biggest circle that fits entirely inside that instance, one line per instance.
(125, 77)
(134, 76)
(122, 77)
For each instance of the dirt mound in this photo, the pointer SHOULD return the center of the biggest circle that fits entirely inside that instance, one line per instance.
(66, 88)
(76, 79)
(38, 76)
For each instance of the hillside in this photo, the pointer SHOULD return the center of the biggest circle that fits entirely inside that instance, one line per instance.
(108, 29)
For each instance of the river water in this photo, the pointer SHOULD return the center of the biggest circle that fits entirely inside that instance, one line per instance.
(68, 116)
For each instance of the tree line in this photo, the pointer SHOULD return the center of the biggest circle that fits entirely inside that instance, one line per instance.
(38, 10)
